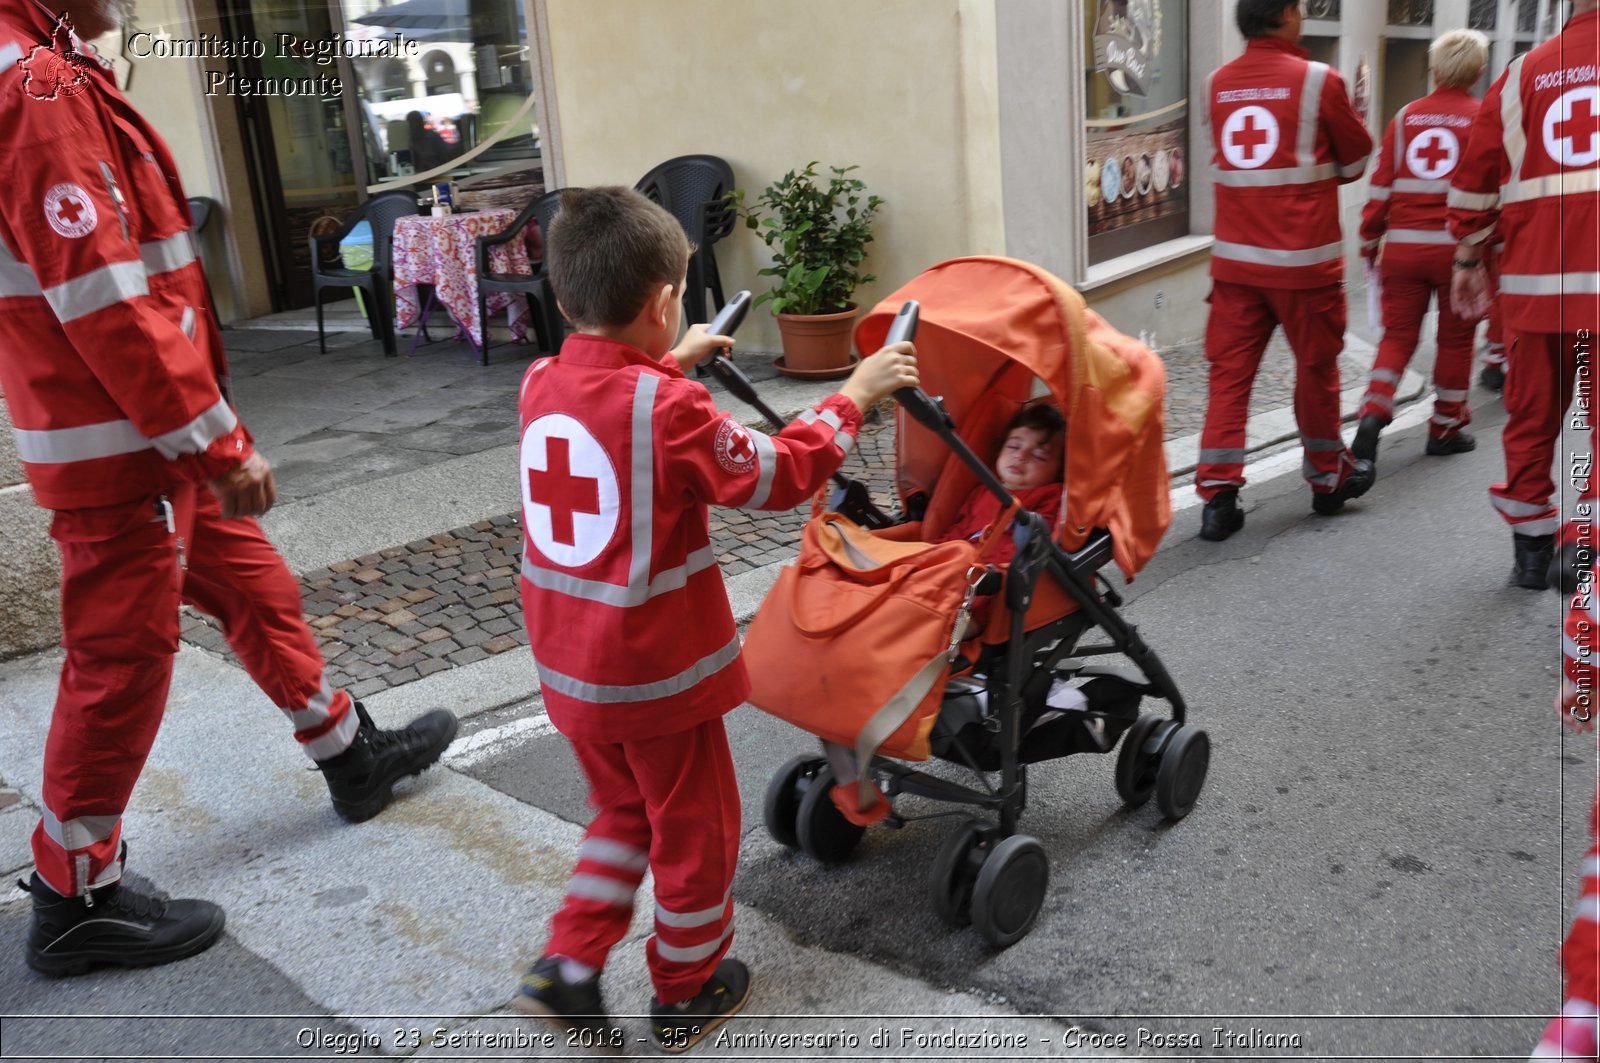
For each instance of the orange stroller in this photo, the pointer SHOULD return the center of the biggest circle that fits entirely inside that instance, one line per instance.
(1024, 688)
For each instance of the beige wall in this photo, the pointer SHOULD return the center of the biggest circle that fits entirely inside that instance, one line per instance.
(906, 89)
(30, 571)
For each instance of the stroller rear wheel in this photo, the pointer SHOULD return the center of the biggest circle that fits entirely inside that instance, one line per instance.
(1184, 762)
(820, 828)
(1138, 761)
(955, 871)
(1010, 890)
(784, 793)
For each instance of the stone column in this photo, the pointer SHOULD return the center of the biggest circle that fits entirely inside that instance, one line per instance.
(30, 570)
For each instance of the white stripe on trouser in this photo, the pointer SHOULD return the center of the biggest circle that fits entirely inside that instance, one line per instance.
(79, 833)
(1445, 422)
(1512, 508)
(1450, 395)
(1475, 201)
(684, 920)
(604, 890)
(614, 854)
(1379, 399)
(1587, 910)
(1383, 376)
(1550, 283)
(691, 953)
(1318, 479)
(315, 715)
(1421, 236)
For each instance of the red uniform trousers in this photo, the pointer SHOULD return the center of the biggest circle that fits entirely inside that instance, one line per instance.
(1580, 953)
(1407, 287)
(1494, 335)
(1542, 368)
(123, 575)
(1240, 324)
(670, 804)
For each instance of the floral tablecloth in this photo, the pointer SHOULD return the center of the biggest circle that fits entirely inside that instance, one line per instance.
(439, 251)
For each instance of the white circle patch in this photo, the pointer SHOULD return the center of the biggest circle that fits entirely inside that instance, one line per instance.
(1572, 127)
(569, 491)
(69, 210)
(736, 452)
(1249, 137)
(1434, 154)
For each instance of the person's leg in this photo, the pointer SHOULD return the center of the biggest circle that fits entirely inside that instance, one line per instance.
(1537, 392)
(1237, 331)
(1405, 302)
(1493, 375)
(1452, 377)
(1573, 1033)
(234, 574)
(1314, 323)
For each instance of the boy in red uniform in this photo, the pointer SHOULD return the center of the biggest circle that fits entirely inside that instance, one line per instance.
(628, 620)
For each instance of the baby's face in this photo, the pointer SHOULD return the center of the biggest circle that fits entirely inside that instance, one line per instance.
(1028, 459)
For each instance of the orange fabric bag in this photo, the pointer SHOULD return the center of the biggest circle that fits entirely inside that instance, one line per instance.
(854, 641)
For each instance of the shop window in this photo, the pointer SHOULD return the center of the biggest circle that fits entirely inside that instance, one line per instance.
(1483, 15)
(1323, 9)
(1410, 12)
(1137, 174)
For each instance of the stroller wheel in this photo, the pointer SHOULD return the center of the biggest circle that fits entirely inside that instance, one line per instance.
(782, 806)
(1183, 771)
(821, 829)
(1010, 890)
(1137, 765)
(955, 871)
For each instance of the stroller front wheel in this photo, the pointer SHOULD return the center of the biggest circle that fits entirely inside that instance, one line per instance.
(1184, 763)
(1010, 890)
(781, 810)
(955, 871)
(1138, 761)
(821, 829)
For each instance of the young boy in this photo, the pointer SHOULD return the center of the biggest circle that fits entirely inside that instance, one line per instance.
(1029, 466)
(628, 620)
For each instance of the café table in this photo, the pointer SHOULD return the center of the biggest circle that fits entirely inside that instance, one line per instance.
(439, 251)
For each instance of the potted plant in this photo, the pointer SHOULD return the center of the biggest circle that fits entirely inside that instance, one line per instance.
(818, 228)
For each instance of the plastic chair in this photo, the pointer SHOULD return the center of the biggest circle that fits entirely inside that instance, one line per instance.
(693, 188)
(381, 212)
(534, 287)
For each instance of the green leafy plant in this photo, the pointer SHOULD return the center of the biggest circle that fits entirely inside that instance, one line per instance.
(818, 228)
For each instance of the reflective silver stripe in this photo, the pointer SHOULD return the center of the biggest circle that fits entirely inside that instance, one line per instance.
(1365, 244)
(1591, 866)
(684, 920)
(1321, 446)
(1479, 237)
(1399, 121)
(1319, 479)
(1288, 175)
(78, 833)
(693, 952)
(766, 468)
(194, 437)
(1444, 422)
(1546, 526)
(1515, 137)
(670, 579)
(1421, 236)
(602, 889)
(1571, 650)
(1383, 402)
(10, 54)
(1512, 508)
(1587, 909)
(614, 854)
(1350, 171)
(1418, 187)
(1310, 106)
(1272, 256)
(315, 713)
(17, 279)
(61, 445)
(335, 741)
(1378, 193)
(1384, 376)
(1578, 1009)
(97, 289)
(828, 417)
(1451, 394)
(1550, 283)
(642, 470)
(164, 256)
(1219, 483)
(187, 322)
(615, 694)
(1223, 456)
(1462, 200)
(1576, 182)
(844, 441)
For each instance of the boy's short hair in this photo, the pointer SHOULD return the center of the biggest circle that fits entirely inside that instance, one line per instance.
(1039, 416)
(1457, 59)
(608, 250)
(1257, 18)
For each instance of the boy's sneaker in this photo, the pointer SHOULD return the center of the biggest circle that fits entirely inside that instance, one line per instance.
(568, 1005)
(114, 926)
(361, 779)
(679, 1027)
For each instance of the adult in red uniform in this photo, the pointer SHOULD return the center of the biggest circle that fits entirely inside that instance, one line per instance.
(1531, 175)
(1285, 138)
(112, 367)
(1406, 212)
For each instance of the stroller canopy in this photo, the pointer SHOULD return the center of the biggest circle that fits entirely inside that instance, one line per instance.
(989, 326)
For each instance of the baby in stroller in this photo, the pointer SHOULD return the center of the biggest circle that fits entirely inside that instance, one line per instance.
(1029, 466)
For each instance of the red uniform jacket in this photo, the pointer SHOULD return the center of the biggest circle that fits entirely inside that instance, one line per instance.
(1411, 180)
(627, 616)
(1285, 137)
(1531, 173)
(110, 359)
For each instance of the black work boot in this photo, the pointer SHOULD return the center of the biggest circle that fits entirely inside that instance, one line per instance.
(568, 1005)
(1365, 444)
(1359, 481)
(1492, 377)
(1533, 556)
(679, 1027)
(114, 926)
(361, 779)
(1221, 517)
(1459, 443)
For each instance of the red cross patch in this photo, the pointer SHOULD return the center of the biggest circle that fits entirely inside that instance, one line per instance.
(570, 493)
(69, 210)
(736, 451)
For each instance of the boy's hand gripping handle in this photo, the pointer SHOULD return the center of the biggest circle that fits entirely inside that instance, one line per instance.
(918, 403)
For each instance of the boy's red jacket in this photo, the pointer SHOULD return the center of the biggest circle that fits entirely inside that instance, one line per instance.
(1531, 178)
(621, 454)
(110, 358)
(1421, 149)
(1285, 137)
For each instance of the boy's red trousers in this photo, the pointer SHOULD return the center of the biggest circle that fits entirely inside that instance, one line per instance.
(1407, 287)
(669, 804)
(124, 572)
(1541, 370)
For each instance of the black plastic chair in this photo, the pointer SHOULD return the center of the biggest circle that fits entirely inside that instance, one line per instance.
(534, 287)
(694, 188)
(381, 212)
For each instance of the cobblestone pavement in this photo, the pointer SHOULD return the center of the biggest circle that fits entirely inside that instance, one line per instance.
(1186, 382)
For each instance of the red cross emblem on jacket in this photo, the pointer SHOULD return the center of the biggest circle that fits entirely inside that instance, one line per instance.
(569, 491)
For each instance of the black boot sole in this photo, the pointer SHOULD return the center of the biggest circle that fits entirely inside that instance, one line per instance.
(383, 789)
(81, 961)
(705, 1027)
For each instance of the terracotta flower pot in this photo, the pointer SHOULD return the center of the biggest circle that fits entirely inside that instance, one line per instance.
(817, 344)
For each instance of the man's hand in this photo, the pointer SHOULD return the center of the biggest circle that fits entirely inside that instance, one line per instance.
(893, 367)
(697, 345)
(1575, 717)
(247, 491)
